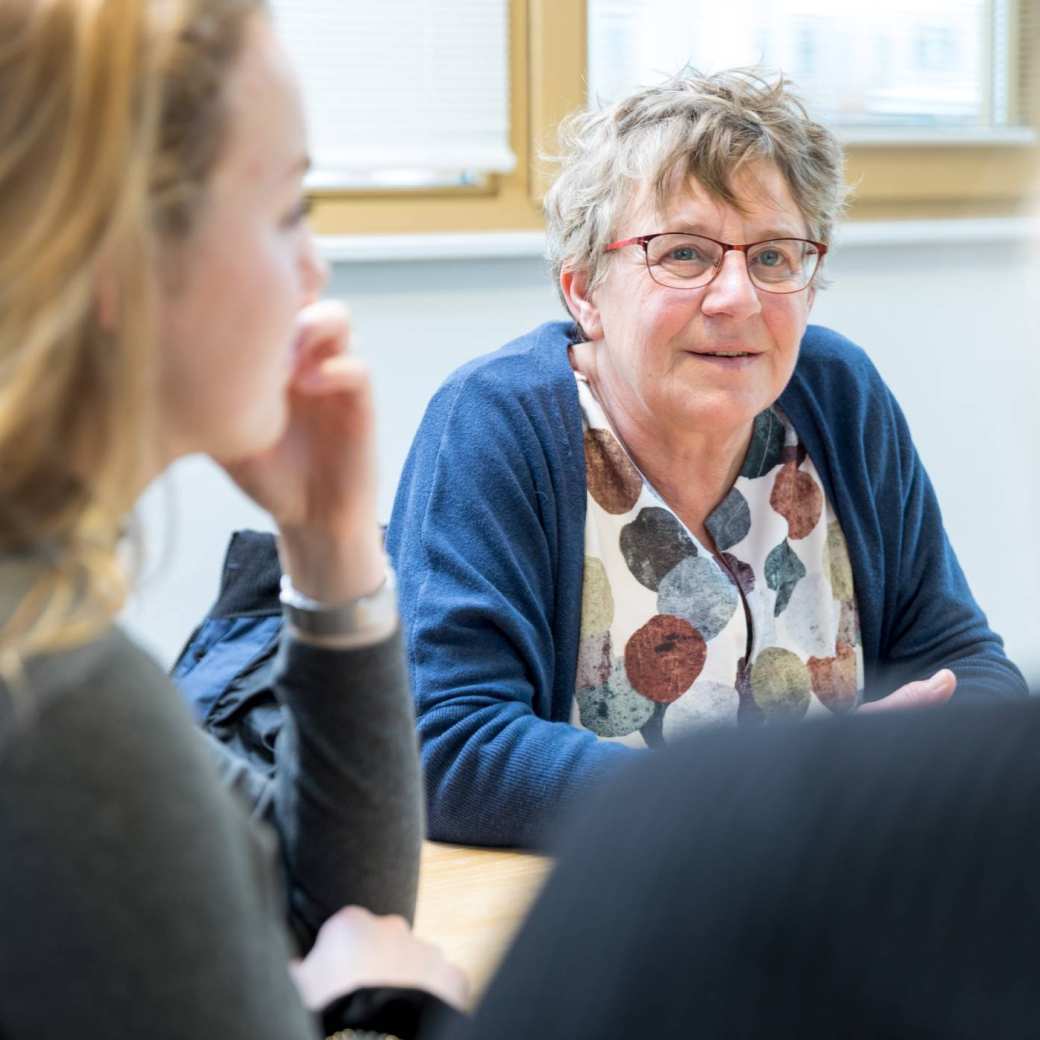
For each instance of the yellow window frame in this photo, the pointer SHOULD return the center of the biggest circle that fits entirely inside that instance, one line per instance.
(548, 75)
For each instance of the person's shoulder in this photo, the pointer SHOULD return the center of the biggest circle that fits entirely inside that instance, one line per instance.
(535, 360)
(91, 701)
(525, 385)
(834, 380)
(37, 688)
(826, 353)
(101, 736)
(837, 391)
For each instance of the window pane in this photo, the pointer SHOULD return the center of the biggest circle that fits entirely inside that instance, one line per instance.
(394, 96)
(881, 64)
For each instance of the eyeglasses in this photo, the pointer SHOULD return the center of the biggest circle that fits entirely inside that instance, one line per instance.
(680, 261)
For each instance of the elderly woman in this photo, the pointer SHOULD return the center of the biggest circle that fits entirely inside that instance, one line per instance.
(686, 506)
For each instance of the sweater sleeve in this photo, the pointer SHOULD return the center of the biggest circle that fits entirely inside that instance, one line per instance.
(347, 801)
(138, 899)
(475, 537)
(345, 794)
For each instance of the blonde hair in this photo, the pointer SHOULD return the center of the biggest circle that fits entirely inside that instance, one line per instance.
(110, 123)
(706, 127)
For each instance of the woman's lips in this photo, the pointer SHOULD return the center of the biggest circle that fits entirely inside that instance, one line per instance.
(725, 359)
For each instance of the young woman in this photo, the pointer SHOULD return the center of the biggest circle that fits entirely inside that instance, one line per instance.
(158, 296)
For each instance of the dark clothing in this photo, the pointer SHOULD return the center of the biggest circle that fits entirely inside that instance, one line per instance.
(138, 898)
(226, 669)
(874, 878)
(239, 641)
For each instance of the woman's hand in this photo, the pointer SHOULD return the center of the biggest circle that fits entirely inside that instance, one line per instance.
(319, 480)
(926, 693)
(356, 948)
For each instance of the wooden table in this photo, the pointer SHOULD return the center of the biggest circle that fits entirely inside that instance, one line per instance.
(471, 902)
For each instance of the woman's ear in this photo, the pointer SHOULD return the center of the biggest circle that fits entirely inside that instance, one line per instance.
(574, 285)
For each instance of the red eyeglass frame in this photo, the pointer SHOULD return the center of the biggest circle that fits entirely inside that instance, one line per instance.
(644, 240)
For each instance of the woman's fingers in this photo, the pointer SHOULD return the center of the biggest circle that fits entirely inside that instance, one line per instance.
(926, 693)
(322, 330)
(322, 362)
(356, 948)
(340, 373)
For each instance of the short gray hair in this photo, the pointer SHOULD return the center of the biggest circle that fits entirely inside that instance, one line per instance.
(706, 127)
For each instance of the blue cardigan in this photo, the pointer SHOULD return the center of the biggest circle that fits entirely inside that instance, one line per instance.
(487, 536)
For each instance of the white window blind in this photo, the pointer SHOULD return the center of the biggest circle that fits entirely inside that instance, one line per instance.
(402, 92)
(910, 67)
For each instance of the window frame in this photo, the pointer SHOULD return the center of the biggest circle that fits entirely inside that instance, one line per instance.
(915, 179)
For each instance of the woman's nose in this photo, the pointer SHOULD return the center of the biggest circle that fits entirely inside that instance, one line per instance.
(731, 291)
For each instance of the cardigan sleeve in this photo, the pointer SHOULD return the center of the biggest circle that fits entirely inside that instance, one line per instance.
(475, 538)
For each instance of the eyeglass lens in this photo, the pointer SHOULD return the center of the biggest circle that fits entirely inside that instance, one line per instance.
(689, 261)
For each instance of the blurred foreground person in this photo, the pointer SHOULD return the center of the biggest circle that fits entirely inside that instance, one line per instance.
(869, 878)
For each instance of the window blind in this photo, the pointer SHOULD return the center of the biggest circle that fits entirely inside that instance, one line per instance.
(887, 65)
(402, 92)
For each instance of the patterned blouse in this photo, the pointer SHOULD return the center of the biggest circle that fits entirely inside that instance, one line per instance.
(673, 637)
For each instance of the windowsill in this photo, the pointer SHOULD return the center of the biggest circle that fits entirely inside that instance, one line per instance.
(477, 245)
(504, 245)
(933, 232)
(916, 137)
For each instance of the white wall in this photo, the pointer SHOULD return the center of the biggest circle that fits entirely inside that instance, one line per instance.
(952, 326)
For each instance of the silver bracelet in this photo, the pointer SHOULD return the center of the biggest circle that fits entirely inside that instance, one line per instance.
(372, 615)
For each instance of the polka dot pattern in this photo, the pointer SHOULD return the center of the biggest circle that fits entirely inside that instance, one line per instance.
(672, 636)
(765, 450)
(595, 661)
(730, 521)
(834, 679)
(848, 623)
(663, 658)
(783, 571)
(706, 703)
(653, 543)
(612, 480)
(781, 684)
(700, 593)
(613, 709)
(839, 568)
(798, 499)
(740, 572)
(597, 599)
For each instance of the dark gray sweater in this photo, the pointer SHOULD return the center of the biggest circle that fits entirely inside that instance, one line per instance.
(137, 897)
